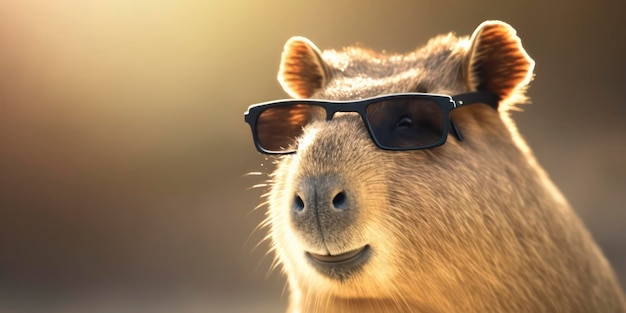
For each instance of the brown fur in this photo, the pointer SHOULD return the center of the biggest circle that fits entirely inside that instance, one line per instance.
(471, 226)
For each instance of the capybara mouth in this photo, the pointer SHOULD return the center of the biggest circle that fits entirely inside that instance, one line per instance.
(340, 266)
(339, 258)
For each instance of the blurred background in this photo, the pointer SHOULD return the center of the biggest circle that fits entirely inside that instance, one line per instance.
(123, 151)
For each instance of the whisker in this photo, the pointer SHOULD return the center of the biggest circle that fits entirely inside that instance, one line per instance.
(262, 241)
(273, 267)
(258, 206)
(266, 223)
(263, 258)
(257, 186)
(285, 287)
(253, 174)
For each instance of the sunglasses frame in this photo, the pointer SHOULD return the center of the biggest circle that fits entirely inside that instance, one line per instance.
(446, 104)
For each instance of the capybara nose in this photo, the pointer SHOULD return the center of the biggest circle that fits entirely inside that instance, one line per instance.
(320, 199)
(322, 207)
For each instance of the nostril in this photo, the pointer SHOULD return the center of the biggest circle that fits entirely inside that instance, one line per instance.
(298, 204)
(339, 201)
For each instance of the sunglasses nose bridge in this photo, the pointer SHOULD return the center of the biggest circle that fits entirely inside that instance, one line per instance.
(334, 108)
(331, 110)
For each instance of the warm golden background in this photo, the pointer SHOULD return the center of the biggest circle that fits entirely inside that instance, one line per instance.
(123, 148)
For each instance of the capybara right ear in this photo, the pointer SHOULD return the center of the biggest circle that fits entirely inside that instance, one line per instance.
(302, 69)
(497, 62)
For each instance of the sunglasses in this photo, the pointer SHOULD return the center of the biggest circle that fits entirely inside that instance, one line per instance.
(404, 121)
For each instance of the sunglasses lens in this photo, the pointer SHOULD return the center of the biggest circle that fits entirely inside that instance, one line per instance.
(278, 127)
(406, 123)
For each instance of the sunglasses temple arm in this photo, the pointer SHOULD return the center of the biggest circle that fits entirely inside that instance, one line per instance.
(485, 97)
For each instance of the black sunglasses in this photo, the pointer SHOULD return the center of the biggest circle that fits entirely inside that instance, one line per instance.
(404, 121)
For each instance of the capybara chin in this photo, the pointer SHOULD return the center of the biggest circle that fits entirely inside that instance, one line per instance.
(473, 224)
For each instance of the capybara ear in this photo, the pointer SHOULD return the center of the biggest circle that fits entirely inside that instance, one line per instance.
(302, 69)
(497, 62)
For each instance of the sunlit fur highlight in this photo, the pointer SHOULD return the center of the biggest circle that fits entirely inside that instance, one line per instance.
(472, 226)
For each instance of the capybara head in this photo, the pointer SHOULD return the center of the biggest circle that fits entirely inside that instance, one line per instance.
(426, 200)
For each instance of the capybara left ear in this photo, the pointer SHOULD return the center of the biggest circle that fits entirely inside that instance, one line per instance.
(496, 61)
(302, 69)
